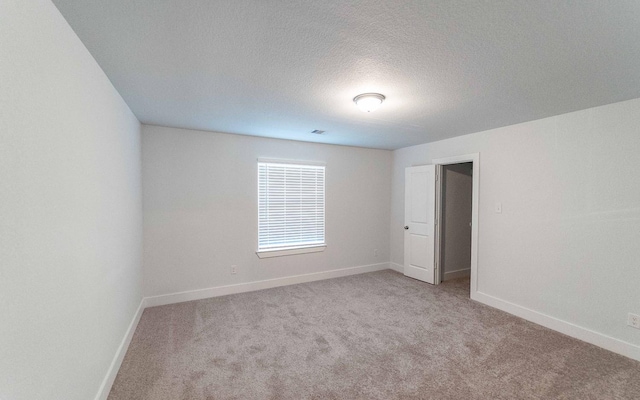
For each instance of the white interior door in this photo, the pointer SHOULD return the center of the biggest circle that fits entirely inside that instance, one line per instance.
(419, 222)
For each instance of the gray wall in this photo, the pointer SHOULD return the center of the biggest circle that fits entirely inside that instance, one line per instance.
(565, 246)
(201, 211)
(70, 210)
(456, 210)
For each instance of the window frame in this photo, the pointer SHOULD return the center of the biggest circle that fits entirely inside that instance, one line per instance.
(293, 249)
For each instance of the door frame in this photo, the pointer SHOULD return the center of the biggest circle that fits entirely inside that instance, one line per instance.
(475, 159)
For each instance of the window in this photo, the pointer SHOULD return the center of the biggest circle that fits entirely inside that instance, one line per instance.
(290, 208)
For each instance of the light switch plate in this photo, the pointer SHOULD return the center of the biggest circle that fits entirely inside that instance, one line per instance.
(498, 208)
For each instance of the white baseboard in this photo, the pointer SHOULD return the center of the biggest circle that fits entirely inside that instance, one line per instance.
(457, 274)
(606, 342)
(396, 267)
(190, 295)
(108, 380)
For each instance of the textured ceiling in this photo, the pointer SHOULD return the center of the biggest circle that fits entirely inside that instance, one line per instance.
(282, 68)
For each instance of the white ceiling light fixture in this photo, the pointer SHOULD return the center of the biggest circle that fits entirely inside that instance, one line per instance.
(368, 102)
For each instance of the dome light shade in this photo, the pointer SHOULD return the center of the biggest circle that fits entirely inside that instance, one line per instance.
(368, 102)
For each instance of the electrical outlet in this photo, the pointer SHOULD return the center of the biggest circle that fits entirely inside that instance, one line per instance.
(375, 252)
(233, 270)
(634, 321)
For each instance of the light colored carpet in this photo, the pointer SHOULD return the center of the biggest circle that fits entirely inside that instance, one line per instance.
(370, 336)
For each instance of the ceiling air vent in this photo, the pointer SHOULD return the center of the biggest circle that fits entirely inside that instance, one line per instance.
(317, 132)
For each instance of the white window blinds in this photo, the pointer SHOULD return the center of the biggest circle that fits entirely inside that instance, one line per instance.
(290, 206)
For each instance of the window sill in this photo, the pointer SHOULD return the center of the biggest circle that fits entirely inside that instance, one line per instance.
(290, 252)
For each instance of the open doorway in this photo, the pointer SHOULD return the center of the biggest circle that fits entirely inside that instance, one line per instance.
(423, 217)
(456, 195)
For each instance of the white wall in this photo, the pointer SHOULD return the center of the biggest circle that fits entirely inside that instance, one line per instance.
(456, 209)
(567, 241)
(70, 210)
(200, 208)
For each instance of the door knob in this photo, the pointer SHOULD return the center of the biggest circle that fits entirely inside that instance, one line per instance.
(406, 227)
